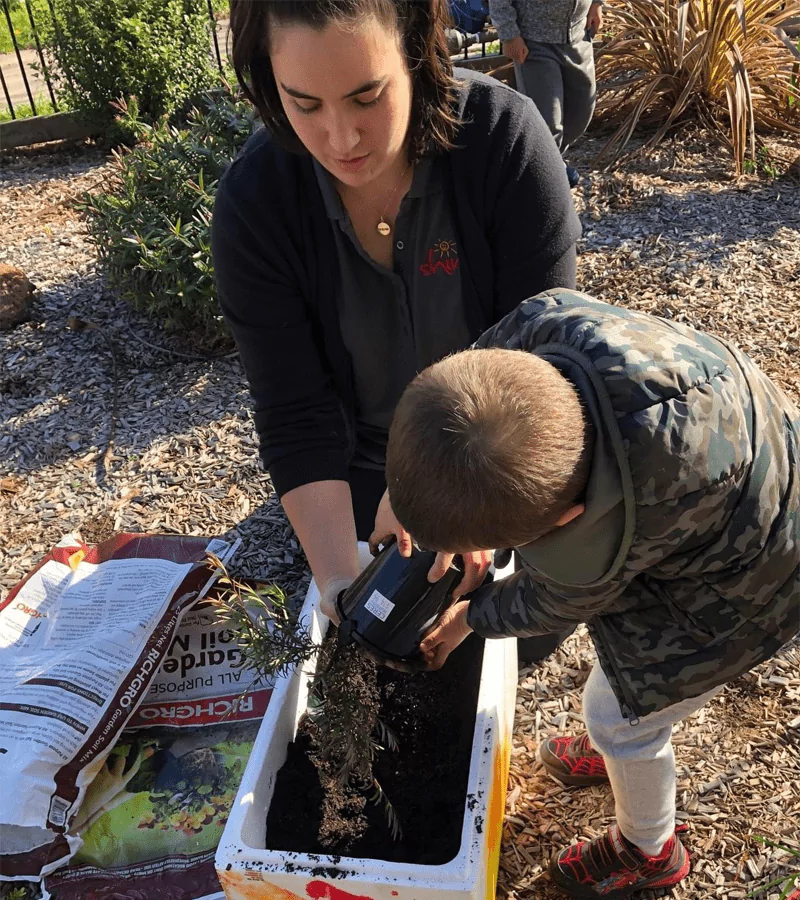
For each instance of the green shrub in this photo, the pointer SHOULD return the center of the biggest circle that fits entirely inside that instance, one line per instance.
(22, 24)
(152, 228)
(156, 50)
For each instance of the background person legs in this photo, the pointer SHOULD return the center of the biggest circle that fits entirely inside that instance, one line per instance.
(540, 78)
(580, 89)
(560, 79)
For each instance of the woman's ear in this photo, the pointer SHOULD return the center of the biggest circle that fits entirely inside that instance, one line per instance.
(572, 513)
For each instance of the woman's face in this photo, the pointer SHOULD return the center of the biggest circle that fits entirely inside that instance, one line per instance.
(346, 91)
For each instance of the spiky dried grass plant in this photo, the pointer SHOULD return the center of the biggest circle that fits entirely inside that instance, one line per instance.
(728, 63)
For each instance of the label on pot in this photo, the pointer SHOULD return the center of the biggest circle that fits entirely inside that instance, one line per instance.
(379, 606)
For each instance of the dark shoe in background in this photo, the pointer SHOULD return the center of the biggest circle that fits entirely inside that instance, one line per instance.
(573, 177)
(535, 649)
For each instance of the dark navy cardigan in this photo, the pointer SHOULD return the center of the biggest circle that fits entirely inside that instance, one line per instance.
(276, 267)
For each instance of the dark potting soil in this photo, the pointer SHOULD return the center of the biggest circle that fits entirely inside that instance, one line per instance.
(432, 715)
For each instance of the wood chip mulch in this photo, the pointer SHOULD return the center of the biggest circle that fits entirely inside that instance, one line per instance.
(738, 776)
(670, 233)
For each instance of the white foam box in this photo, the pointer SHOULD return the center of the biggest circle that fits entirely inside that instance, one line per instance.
(248, 870)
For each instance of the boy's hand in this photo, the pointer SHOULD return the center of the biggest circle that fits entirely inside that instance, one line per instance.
(476, 565)
(516, 49)
(451, 629)
(594, 21)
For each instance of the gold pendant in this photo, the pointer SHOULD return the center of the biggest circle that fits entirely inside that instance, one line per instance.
(384, 228)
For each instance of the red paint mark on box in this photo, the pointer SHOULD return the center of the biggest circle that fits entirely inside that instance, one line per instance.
(322, 890)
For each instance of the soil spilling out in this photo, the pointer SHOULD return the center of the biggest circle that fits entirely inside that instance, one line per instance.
(432, 715)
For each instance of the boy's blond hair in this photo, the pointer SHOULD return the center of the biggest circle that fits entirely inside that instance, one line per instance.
(487, 449)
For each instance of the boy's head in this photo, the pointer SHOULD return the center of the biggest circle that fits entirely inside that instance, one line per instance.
(487, 449)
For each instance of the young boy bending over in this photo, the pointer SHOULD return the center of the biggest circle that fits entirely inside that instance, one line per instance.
(649, 477)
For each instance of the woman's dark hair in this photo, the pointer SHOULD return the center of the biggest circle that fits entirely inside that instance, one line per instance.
(421, 24)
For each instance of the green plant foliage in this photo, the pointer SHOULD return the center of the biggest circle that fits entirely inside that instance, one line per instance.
(345, 730)
(271, 640)
(19, 892)
(156, 50)
(24, 110)
(21, 22)
(152, 223)
(764, 164)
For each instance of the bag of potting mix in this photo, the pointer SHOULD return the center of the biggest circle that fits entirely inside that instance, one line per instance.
(82, 639)
(153, 817)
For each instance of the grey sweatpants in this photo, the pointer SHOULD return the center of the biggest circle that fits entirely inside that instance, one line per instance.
(639, 761)
(559, 78)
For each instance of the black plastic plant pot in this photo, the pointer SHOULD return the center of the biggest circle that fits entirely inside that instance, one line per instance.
(391, 606)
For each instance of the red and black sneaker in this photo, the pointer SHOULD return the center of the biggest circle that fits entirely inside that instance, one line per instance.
(611, 866)
(573, 760)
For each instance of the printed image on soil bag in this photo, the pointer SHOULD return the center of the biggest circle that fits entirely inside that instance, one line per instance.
(155, 814)
(184, 786)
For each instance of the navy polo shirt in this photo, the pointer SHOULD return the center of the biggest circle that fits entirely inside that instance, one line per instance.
(396, 322)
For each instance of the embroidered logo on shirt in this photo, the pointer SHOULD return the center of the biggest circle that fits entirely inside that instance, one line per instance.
(442, 257)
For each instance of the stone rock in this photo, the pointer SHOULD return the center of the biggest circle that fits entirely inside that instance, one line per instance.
(16, 294)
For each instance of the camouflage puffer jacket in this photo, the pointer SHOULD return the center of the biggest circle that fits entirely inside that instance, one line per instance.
(685, 564)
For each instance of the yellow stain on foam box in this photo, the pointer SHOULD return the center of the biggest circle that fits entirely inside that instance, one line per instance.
(497, 805)
(251, 886)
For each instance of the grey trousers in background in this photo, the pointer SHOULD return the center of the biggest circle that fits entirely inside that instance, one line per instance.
(639, 760)
(559, 78)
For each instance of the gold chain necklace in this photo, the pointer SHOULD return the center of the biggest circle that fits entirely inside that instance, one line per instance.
(383, 227)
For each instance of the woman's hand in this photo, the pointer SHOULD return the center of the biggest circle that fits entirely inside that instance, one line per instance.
(476, 563)
(451, 629)
(386, 525)
(516, 50)
(328, 594)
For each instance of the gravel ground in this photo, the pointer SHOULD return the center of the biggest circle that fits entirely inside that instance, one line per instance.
(671, 234)
(184, 452)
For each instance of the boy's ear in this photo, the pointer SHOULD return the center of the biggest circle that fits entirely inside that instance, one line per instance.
(572, 513)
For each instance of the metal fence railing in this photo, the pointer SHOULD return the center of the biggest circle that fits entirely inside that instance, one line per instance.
(7, 83)
(21, 83)
(459, 43)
